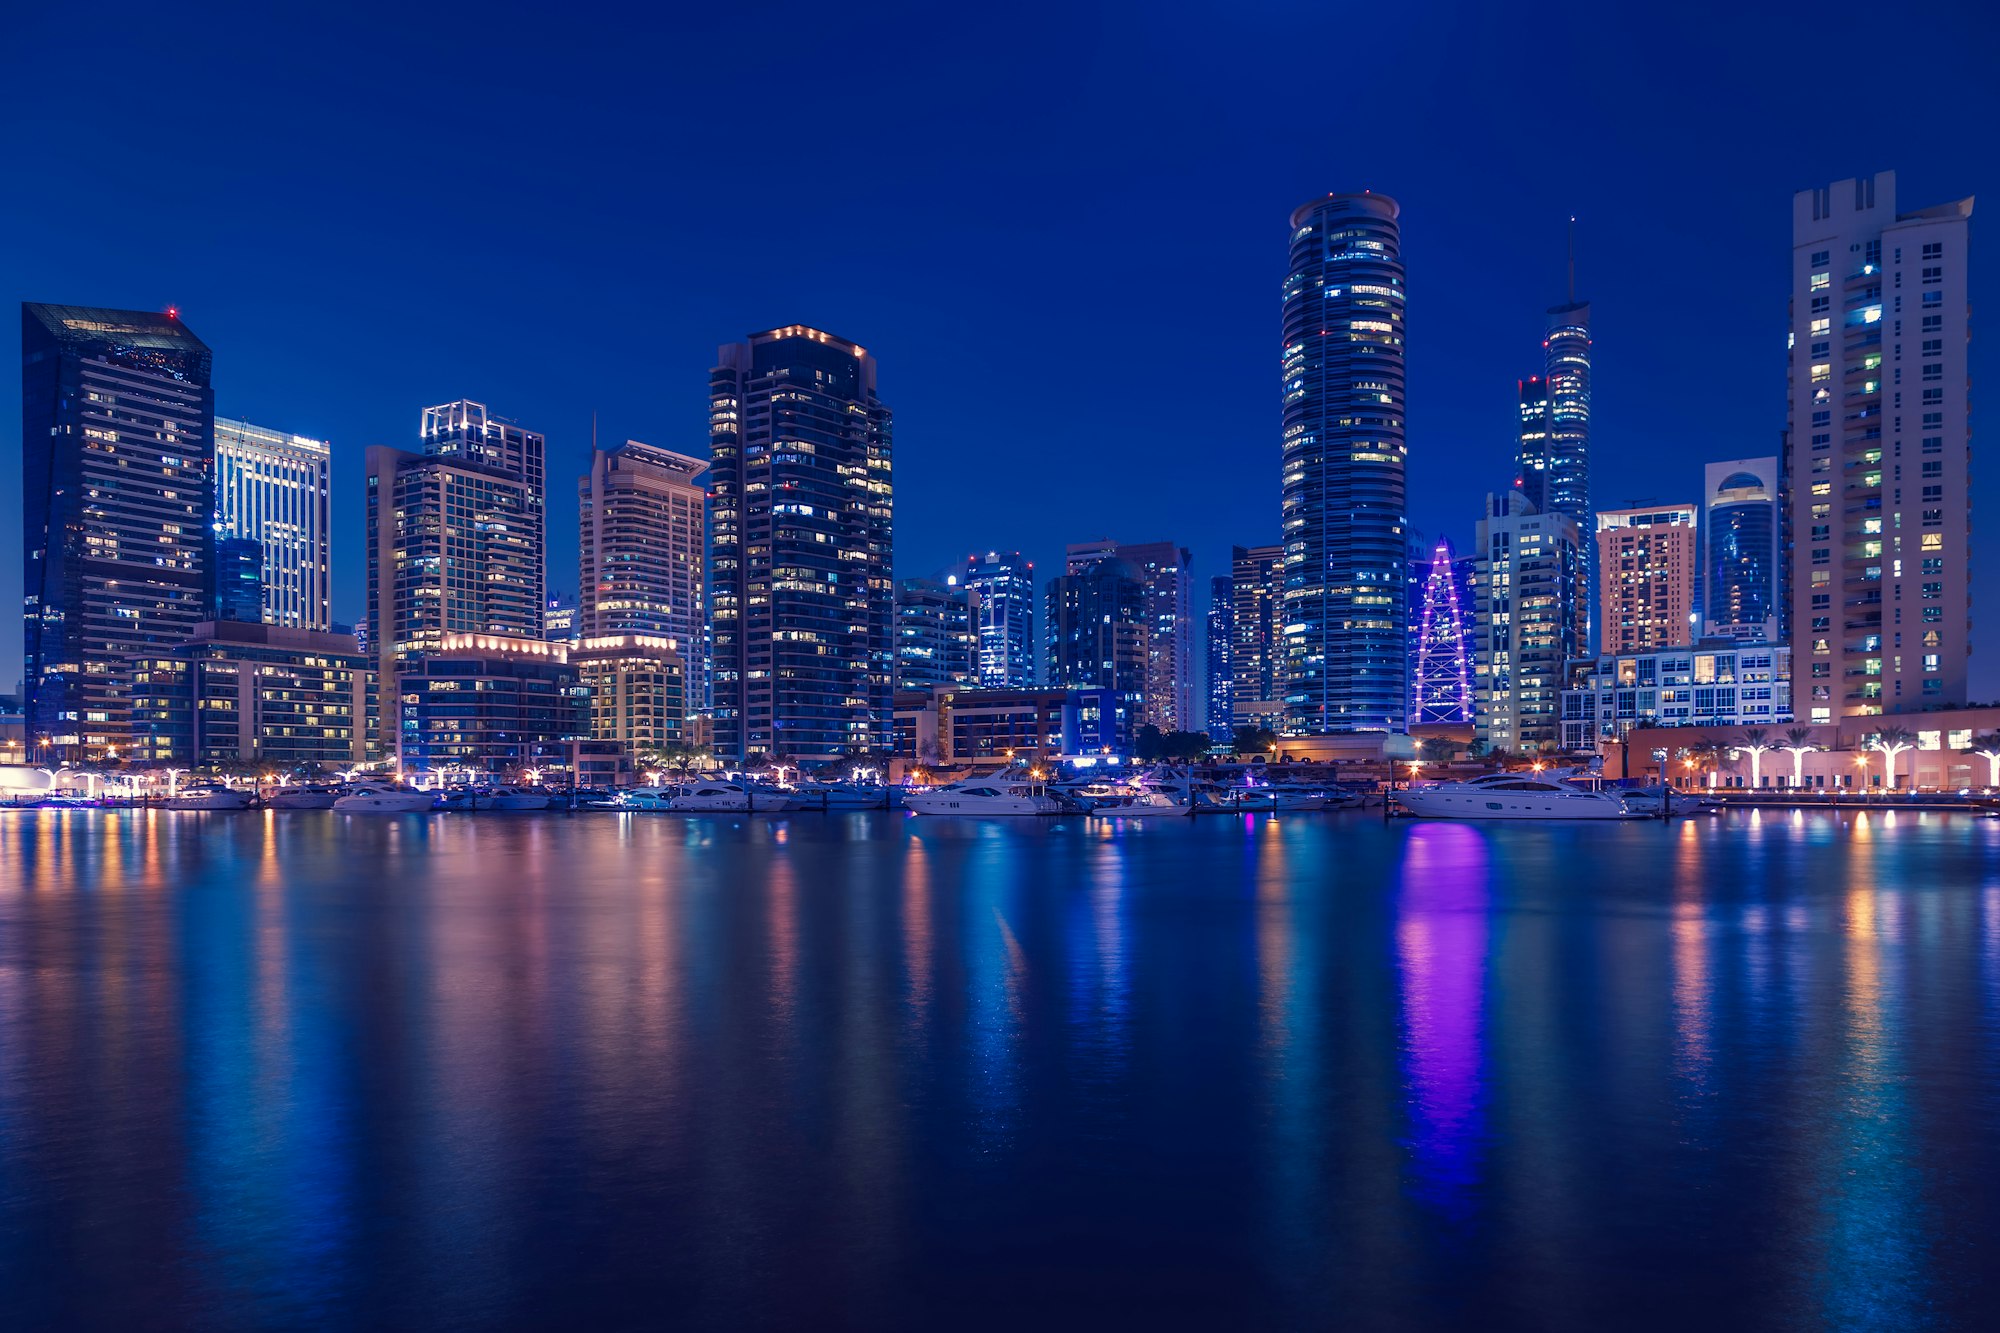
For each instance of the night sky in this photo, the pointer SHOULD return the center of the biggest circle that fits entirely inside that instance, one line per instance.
(1061, 228)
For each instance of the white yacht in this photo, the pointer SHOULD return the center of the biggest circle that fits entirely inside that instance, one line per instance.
(983, 796)
(646, 798)
(1275, 800)
(1145, 803)
(1646, 801)
(383, 798)
(718, 798)
(208, 796)
(518, 798)
(1512, 796)
(310, 796)
(839, 796)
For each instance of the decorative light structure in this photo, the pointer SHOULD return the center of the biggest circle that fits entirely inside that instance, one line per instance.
(1444, 677)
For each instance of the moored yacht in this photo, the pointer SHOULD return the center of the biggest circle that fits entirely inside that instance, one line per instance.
(208, 796)
(518, 798)
(1146, 803)
(307, 796)
(646, 798)
(983, 796)
(1512, 796)
(383, 798)
(705, 797)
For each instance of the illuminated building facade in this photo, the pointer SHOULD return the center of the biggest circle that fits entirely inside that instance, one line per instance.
(1443, 589)
(1221, 645)
(637, 688)
(490, 705)
(117, 434)
(1167, 572)
(251, 692)
(1740, 542)
(275, 489)
(1714, 683)
(1097, 629)
(1344, 618)
(1528, 577)
(455, 539)
(1001, 586)
(1878, 451)
(641, 519)
(934, 633)
(1647, 560)
(1257, 653)
(802, 595)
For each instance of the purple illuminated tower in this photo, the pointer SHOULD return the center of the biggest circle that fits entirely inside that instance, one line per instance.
(1441, 673)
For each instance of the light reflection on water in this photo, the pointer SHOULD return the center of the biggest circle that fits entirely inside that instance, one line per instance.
(282, 1069)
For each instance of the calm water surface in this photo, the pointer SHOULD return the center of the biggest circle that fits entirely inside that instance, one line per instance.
(597, 1071)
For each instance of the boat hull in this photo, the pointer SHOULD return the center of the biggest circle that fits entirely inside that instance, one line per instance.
(1500, 805)
(386, 804)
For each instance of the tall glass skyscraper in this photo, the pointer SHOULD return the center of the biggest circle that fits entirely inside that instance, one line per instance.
(1740, 550)
(1001, 585)
(1344, 611)
(1098, 630)
(802, 510)
(275, 489)
(1167, 572)
(641, 516)
(1256, 656)
(117, 499)
(1221, 644)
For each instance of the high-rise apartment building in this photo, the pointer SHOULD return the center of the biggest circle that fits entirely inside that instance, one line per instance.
(802, 512)
(1001, 585)
(934, 633)
(1444, 626)
(456, 540)
(1098, 624)
(1553, 466)
(1647, 562)
(276, 488)
(1167, 571)
(1221, 691)
(1257, 651)
(1879, 454)
(1527, 579)
(1342, 514)
(117, 497)
(642, 537)
(1740, 542)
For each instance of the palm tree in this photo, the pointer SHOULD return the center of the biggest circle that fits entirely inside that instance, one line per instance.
(1799, 743)
(1436, 750)
(1699, 757)
(1987, 746)
(1891, 741)
(1757, 740)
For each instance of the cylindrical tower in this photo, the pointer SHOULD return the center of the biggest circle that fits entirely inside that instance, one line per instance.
(1345, 612)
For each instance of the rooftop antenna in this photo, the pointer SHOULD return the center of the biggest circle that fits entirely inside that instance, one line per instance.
(1572, 259)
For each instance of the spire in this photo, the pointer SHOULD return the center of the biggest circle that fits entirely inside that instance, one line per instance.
(1572, 259)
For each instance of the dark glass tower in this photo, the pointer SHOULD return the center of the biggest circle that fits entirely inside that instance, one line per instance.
(1531, 468)
(117, 469)
(1098, 632)
(802, 514)
(1344, 614)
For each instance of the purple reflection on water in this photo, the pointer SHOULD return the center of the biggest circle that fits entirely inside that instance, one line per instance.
(1441, 936)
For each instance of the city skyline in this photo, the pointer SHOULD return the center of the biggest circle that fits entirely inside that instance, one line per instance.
(1479, 283)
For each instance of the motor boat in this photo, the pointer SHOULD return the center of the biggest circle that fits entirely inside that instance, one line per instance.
(707, 797)
(384, 798)
(982, 797)
(1512, 796)
(208, 796)
(1272, 799)
(645, 798)
(307, 796)
(518, 798)
(593, 798)
(1146, 803)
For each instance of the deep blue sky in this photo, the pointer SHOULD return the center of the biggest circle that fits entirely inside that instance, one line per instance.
(1061, 228)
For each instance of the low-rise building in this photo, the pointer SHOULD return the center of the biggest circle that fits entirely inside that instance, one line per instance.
(955, 726)
(248, 692)
(1947, 749)
(491, 705)
(1716, 683)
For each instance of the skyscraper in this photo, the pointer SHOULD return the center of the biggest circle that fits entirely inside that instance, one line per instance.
(1098, 627)
(802, 593)
(1443, 630)
(1257, 653)
(1002, 590)
(1553, 469)
(1527, 577)
(117, 459)
(455, 540)
(1740, 550)
(1221, 643)
(1166, 570)
(1879, 457)
(1531, 468)
(641, 515)
(275, 489)
(1647, 559)
(1344, 616)
(934, 633)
